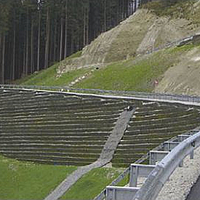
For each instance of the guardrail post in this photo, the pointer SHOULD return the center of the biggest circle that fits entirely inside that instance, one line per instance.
(138, 170)
(181, 164)
(156, 156)
(192, 155)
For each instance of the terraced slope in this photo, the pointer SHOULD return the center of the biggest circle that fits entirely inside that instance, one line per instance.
(55, 128)
(152, 124)
(68, 129)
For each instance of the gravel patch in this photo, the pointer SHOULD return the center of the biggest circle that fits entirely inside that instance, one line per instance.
(182, 179)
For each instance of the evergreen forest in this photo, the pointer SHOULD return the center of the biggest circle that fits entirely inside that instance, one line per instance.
(35, 34)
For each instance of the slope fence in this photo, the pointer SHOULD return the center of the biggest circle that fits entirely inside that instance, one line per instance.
(179, 42)
(112, 93)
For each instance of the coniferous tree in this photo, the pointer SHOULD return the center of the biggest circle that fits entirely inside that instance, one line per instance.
(36, 33)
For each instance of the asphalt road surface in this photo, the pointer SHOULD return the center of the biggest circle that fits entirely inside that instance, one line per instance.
(195, 191)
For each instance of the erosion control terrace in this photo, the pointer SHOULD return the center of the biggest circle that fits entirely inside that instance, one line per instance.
(65, 129)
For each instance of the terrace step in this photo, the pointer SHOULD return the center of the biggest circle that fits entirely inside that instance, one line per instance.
(56, 128)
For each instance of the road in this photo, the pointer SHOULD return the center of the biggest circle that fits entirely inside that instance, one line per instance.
(195, 191)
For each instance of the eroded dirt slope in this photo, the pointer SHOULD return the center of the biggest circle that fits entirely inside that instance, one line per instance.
(183, 78)
(139, 33)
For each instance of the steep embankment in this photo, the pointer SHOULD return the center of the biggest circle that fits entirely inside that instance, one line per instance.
(113, 45)
(183, 78)
(142, 31)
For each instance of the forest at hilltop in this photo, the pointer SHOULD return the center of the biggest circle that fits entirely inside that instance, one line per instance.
(34, 34)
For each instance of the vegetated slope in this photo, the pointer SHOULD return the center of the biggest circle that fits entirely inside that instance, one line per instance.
(68, 129)
(137, 74)
(26, 180)
(94, 181)
(46, 127)
(49, 77)
(118, 54)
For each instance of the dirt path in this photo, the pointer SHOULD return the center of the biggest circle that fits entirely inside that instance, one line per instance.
(105, 156)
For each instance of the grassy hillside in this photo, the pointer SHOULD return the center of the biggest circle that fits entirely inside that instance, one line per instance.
(93, 183)
(25, 180)
(136, 74)
(49, 76)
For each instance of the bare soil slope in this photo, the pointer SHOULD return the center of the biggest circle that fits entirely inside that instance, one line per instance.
(183, 78)
(165, 30)
(140, 32)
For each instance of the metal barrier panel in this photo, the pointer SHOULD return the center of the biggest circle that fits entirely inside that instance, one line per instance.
(136, 95)
(182, 137)
(120, 193)
(168, 146)
(156, 156)
(164, 169)
(138, 170)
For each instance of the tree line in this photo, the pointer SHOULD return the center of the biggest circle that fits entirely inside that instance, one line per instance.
(34, 34)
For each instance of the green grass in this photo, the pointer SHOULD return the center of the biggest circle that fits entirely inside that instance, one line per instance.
(124, 181)
(92, 183)
(136, 74)
(25, 180)
(48, 77)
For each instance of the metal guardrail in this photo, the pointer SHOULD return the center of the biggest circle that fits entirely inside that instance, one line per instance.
(115, 182)
(132, 94)
(176, 150)
(126, 172)
(102, 195)
(163, 170)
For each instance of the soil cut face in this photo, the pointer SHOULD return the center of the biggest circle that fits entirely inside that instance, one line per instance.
(183, 78)
(139, 33)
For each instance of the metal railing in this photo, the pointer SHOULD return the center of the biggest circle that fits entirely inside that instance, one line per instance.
(163, 170)
(124, 94)
(176, 149)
